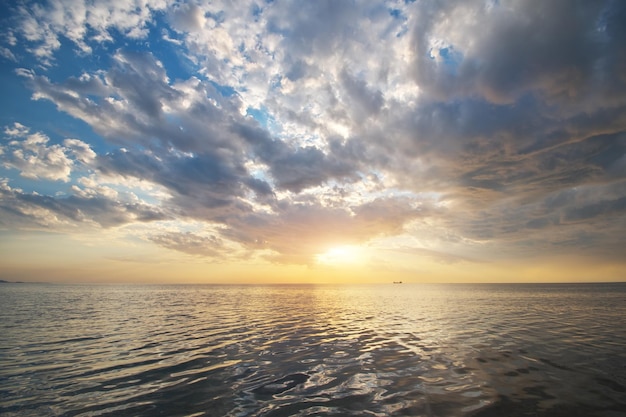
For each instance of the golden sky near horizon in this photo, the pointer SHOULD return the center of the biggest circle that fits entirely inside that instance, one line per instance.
(327, 141)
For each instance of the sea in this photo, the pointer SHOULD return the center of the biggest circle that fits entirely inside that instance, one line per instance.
(313, 350)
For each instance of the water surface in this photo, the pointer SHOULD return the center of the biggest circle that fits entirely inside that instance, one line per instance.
(401, 350)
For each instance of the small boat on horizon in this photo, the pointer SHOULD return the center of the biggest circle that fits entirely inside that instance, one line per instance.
(397, 282)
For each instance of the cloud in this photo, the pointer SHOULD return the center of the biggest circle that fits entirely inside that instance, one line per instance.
(45, 25)
(6, 53)
(496, 128)
(202, 186)
(299, 231)
(366, 102)
(17, 130)
(206, 246)
(32, 210)
(30, 154)
(187, 18)
(557, 50)
(195, 122)
(81, 151)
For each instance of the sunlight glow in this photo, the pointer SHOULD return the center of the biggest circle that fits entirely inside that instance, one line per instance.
(341, 255)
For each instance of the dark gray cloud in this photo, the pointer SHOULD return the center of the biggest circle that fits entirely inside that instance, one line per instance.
(297, 168)
(583, 219)
(315, 28)
(143, 82)
(364, 101)
(557, 49)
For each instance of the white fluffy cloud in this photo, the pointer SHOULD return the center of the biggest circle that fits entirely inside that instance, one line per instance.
(44, 25)
(30, 154)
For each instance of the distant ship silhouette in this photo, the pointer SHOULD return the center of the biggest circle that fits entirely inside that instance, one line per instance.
(397, 282)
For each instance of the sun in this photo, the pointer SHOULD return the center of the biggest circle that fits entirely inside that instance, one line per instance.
(340, 255)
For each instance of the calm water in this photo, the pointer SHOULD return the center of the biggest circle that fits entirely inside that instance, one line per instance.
(405, 350)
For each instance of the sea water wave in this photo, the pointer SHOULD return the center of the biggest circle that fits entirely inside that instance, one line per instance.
(396, 350)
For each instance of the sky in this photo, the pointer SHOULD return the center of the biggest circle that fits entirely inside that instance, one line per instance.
(313, 141)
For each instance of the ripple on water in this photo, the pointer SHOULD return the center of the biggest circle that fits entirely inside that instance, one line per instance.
(296, 350)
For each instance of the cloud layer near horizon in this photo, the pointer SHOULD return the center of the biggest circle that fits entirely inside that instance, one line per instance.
(471, 130)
